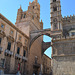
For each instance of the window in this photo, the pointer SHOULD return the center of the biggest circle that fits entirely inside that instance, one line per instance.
(18, 50)
(20, 38)
(9, 46)
(73, 33)
(24, 54)
(33, 17)
(21, 16)
(24, 15)
(54, 0)
(33, 7)
(54, 8)
(25, 42)
(2, 26)
(11, 32)
(0, 40)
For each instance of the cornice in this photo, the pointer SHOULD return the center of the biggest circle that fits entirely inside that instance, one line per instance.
(12, 25)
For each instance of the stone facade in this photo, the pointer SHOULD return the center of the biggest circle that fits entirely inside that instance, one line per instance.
(15, 39)
(63, 45)
(46, 62)
(11, 38)
(29, 21)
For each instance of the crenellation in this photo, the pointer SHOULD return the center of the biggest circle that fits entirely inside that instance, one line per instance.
(69, 17)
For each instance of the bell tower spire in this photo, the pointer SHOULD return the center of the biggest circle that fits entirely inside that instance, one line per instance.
(55, 15)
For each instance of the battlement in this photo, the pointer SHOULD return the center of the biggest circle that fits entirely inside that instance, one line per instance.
(68, 17)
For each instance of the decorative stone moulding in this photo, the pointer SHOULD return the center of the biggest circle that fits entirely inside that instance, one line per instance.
(19, 43)
(10, 38)
(2, 33)
(25, 47)
(8, 52)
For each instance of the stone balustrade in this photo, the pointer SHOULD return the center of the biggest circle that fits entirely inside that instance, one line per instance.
(18, 56)
(24, 58)
(8, 52)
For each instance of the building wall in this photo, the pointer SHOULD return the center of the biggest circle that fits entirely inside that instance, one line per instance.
(34, 51)
(10, 55)
(62, 45)
(63, 57)
(46, 62)
(27, 24)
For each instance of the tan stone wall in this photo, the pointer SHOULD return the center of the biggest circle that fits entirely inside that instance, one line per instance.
(34, 51)
(64, 65)
(10, 59)
(64, 57)
(46, 62)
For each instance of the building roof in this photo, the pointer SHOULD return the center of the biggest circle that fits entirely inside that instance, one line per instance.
(11, 24)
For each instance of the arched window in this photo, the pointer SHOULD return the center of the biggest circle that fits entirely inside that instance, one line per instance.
(54, 8)
(33, 17)
(0, 40)
(21, 16)
(24, 15)
(54, 0)
(18, 50)
(33, 7)
(9, 46)
(24, 53)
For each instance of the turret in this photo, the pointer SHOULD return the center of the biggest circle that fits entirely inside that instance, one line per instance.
(19, 14)
(34, 9)
(41, 24)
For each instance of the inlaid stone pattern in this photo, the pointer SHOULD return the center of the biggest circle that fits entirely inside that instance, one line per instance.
(64, 47)
(63, 62)
(63, 65)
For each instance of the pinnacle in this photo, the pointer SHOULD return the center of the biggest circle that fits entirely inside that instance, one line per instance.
(35, 0)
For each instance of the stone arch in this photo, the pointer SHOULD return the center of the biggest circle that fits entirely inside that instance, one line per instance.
(45, 46)
(37, 36)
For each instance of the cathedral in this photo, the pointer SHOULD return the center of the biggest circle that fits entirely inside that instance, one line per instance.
(63, 41)
(22, 46)
(15, 54)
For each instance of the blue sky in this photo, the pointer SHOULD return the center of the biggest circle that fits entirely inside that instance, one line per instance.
(9, 9)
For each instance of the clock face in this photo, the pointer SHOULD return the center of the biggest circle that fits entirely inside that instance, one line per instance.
(55, 23)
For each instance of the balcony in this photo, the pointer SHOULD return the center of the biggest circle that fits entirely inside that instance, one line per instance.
(8, 52)
(24, 58)
(36, 65)
(18, 56)
(1, 49)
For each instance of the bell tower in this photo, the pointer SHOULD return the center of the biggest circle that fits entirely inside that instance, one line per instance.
(34, 9)
(55, 15)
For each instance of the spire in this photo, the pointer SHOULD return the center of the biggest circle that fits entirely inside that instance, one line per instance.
(20, 7)
(41, 20)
